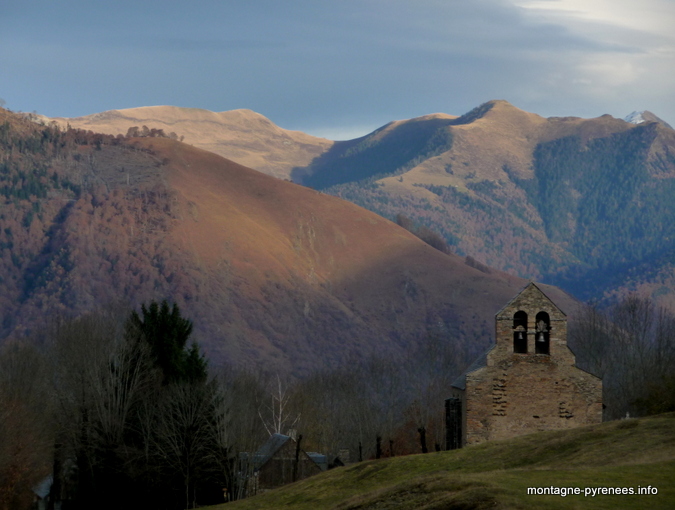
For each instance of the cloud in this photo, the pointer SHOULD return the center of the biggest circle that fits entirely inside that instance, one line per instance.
(341, 66)
(653, 16)
(635, 46)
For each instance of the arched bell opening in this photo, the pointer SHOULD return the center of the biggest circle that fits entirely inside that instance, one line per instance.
(542, 344)
(520, 332)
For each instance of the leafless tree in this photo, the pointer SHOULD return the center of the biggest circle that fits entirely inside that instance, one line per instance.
(631, 346)
(276, 415)
(237, 427)
(99, 378)
(25, 423)
(183, 432)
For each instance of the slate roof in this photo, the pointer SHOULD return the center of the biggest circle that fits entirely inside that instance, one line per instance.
(268, 449)
(273, 445)
(479, 362)
(319, 459)
(42, 489)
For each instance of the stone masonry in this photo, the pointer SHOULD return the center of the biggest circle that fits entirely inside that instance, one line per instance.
(528, 380)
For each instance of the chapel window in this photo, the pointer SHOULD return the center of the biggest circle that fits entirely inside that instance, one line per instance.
(520, 332)
(542, 334)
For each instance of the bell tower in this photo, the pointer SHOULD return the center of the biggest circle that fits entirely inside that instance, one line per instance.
(527, 381)
(531, 325)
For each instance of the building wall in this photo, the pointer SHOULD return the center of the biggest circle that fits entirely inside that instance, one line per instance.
(520, 396)
(520, 393)
(279, 469)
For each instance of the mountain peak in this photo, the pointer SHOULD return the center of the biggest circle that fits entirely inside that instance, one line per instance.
(245, 136)
(498, 112)
(645, 116)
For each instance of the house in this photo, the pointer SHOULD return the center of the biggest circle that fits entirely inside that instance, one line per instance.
(526, 382)
(41, 493)
(280, 461)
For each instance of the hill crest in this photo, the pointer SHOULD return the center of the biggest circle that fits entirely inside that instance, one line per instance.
(273, 274)
(242, 135)
(477, 179)
(497, 474)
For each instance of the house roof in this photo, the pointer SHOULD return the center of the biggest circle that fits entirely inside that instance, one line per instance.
(41, 490)
(274, 444)
(269, 448)
(479, 362)
(319, 459)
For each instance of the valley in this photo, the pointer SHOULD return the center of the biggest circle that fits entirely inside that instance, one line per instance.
(351, 325)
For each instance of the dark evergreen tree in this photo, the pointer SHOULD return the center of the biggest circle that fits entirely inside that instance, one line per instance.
(194, 366)
(166, 331)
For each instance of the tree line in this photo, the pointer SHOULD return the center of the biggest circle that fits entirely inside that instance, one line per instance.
(109, 408)
(122, 409)
(124, 412)
(631, 346)
(429, 236)
(145, 132)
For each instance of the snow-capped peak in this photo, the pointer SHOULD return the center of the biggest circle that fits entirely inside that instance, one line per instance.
(645, 116)
(635, 118)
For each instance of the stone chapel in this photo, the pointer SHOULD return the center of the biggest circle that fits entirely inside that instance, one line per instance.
(526, 382)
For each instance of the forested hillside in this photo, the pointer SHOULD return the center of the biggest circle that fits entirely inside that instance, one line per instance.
(310, 313)
(585, 204)
(273, 274)
(578, 202)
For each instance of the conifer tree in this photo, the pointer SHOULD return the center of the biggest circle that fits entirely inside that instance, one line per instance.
(167, 332)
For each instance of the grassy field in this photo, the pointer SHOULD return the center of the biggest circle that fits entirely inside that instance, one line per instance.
(627, 453)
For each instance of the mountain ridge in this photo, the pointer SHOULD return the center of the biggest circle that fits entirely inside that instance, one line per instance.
(244, 135)
(478, 179)
(491, 190)
(273, 274)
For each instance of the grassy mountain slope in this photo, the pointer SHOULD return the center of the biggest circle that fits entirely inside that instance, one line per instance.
(271, 272)
(392, 148)
(241, 135)
(583, 203)
(629, 453)
(573, 201)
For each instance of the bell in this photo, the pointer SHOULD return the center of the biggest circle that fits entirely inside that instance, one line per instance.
(520, 335)
(540, 338)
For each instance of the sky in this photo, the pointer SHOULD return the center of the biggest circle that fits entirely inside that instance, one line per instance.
(339, 69)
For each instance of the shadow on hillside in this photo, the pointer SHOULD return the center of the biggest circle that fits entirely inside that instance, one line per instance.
(386, 151)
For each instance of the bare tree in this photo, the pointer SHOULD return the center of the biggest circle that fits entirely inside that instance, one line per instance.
(25, 424)
(631, 346)
(238, 428)
(99, 379)
(276, 416)
(183, 436)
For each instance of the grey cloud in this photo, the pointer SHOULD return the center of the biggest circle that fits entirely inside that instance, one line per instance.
(307, 64)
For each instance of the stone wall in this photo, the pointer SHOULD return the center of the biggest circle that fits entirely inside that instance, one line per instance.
(529, 393)
(519, 393)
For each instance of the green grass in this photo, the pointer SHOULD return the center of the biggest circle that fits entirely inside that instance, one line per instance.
(628, 453)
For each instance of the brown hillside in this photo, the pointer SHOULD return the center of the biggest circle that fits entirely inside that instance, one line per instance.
(270, 272)
(482, 180)
(580, 202)
(357, 280)
(241, 135)
(492, 151)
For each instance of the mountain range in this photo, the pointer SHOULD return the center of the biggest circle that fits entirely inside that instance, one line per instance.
(272, 273)
(586, 204)
(243, 136)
